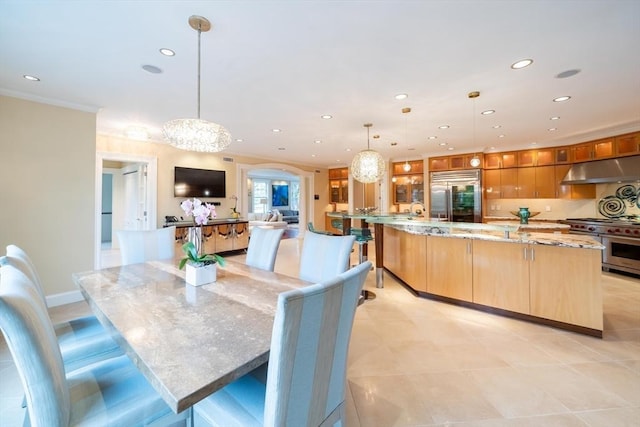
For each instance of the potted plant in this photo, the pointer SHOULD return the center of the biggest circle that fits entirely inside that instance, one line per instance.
(200, 268)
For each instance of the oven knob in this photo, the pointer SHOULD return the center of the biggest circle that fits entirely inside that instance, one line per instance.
(636, 232)
(627, 231)
(617, 230)
(609, 230)
(591, 228)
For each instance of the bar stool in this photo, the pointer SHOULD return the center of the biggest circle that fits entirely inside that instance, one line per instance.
(363, 236)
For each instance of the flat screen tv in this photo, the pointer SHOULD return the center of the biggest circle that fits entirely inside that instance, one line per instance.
(189, 182)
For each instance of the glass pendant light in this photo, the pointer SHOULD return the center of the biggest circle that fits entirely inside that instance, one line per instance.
(196, 134)
(368, 165)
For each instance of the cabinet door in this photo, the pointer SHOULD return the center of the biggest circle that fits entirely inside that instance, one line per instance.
(578, 300)
(439, 164)
(545, 182)
(562, 155)
(501, 275)
(582, 152)
(449, 273)
(241, 235)
(492, 160)
(334, 188)
(509, 183)
(579, 191)
(526, 183)
(224, 237)
(628, 144)
(344, 191)
(546, 157)
(492, 184)
(209, 239)
(405, 255)
(604, 148)
(509, 160)
(526, 158)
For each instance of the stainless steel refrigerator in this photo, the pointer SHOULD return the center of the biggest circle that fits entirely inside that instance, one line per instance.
(456, 195)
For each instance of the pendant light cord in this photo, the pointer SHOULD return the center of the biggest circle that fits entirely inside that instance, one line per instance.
(199, 36)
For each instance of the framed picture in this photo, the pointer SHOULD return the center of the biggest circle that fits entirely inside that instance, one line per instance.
(279, 195)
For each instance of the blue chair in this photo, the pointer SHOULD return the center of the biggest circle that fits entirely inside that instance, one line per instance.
(324, 257)
(305, 384)
(263, 247)
(146, 245)
(111, 392)
(82, 340)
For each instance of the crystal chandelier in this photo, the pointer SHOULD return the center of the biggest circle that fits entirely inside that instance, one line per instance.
(368, 165)
(196, 134)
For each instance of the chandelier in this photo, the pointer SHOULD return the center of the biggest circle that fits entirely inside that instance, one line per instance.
(368, 165)
(197, 134)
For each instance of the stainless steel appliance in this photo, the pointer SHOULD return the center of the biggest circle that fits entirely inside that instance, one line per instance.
(620, 237)
(455, 196)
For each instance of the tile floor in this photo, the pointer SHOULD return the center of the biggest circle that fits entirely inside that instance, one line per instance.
(415, 362)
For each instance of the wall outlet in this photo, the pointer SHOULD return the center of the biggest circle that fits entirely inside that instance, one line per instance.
(497, 207)
(493, 207)
(547, 208)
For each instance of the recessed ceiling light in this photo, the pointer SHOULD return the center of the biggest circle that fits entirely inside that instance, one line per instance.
(347, 149)
(317, 141)
(281, 148)
(327, 116)
(501, 136)
(276, 130)
(534, 143)
(152, 69)
(31, 78)
(487, 112)
(492, 148)
(555, 118)
(433, 137)
(167, 52)
(442, 144)
(411, 149)
(313, 155)
(552, 129)
(521, 64)
(338, 161)
(450, 148)
(443, 127)
(239, 140)
(393, 144)
(401, 96)
(497, 127)
(562, 98)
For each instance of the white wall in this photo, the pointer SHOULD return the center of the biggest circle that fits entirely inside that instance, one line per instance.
(47, 157)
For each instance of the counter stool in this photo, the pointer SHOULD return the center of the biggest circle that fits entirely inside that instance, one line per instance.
(363, 236)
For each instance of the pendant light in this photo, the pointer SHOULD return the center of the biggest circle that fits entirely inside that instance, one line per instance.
(475, 160)
(368, 165)
(406, 167)
(196, 134)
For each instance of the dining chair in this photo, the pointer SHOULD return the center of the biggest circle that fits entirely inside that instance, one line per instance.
(111, 392)
(306, 375)
(324, 256)
(82, 340)
(263, 247)
(312, 229)
(146, 245)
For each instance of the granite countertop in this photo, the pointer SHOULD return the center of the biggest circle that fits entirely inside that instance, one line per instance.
(532, 225)
(514, 218)
(509, 232)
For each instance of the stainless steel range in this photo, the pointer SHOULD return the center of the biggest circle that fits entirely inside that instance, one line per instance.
(620, 237)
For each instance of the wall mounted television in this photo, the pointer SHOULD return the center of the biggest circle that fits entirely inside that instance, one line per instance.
(190, 182)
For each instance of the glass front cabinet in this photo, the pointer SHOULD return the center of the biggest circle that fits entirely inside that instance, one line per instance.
(408, 185)
(339, 185)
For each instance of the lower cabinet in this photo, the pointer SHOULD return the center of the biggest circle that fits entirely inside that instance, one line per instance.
(218, 238)
(501, 275)
(405, 255)
(449, 272)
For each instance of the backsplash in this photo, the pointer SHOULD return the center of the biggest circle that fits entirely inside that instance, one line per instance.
(618, 200)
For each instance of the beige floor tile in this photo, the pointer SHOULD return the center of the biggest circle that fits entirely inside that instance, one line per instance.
(622, 417)
(556, 420)
(614, 377)
(516, 351)
(473, 355)
(576, 391)
(564, 348)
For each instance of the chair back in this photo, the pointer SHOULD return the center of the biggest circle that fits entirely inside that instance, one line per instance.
(263, 247)
(146, 245)
(32, 342)
(19, 259)
(324, 256)
(307, 364)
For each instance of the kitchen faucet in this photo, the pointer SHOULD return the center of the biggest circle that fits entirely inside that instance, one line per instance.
(419, 204)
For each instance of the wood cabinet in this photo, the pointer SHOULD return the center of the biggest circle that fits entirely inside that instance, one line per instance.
(536, 182)
(577, 301)
(501, 275)
(501, 160)
(582, 152)
(491, 184)
(438, 164)
(224, 237)
(405, 256)
(339, 185)
(509, 183)
(450, 267)
(604, 148)
(541, 157)
(628, 145)
(562, 155)
(408, 186)
(578, 191)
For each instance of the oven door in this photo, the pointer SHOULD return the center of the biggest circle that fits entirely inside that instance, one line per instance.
(621, 253)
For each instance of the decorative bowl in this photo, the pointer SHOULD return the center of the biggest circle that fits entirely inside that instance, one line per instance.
(531, 214)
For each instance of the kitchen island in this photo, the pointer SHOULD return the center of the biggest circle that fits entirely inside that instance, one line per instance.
(554, 279)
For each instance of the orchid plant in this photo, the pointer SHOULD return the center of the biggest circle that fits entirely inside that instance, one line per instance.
(235, 203)
(201, 213)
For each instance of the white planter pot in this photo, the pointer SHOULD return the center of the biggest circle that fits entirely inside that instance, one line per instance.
(198, 276)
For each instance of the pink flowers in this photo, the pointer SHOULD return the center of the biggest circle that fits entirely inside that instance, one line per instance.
(200, 211)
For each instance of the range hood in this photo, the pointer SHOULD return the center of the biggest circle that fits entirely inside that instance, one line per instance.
(623, 169)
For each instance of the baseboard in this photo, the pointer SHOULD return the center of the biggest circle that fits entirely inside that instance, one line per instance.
(64, 298)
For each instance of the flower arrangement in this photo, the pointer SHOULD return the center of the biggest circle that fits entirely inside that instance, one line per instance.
(201, 213)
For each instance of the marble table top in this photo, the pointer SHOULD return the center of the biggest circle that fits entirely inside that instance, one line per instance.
(188, 341)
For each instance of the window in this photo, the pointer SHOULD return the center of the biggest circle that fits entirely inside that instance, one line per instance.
(260, 195)
(294, 196)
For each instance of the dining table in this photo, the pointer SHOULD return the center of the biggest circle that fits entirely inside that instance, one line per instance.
(187, 341)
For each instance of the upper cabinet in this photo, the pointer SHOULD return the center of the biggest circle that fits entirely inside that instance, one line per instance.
(507, 159)
(408, 185)
(339, 185)
(628, 145)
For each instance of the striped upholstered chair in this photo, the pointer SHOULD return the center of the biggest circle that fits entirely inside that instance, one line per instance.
(108, 393)
(306, 377)
(263, 247)
(324, 257)
(82, 340)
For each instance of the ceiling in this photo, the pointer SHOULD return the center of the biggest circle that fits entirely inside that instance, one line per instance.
(284, 64)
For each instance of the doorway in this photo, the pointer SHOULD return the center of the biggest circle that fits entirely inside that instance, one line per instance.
(133, 199)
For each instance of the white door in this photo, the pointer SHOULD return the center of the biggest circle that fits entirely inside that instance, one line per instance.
(135, 197)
